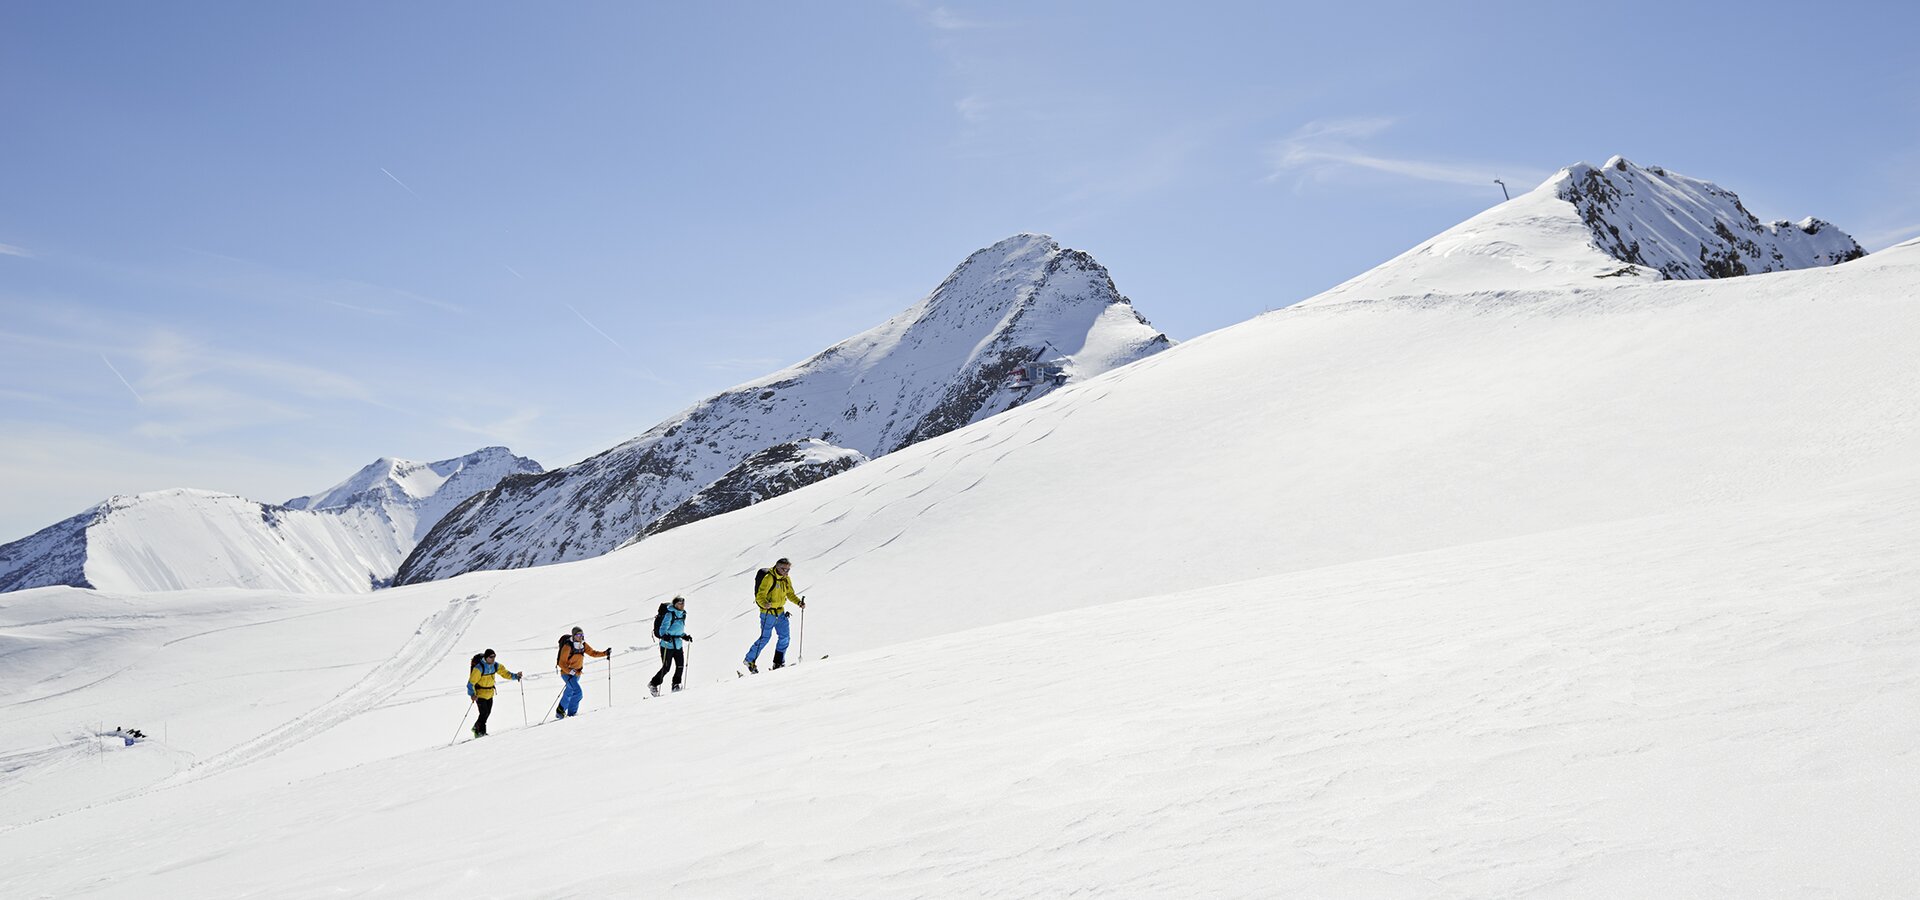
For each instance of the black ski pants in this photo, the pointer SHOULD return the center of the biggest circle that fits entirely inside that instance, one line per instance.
(670, 659)
(486, 709)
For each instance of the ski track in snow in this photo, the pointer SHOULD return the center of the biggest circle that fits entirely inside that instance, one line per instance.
(431, 642)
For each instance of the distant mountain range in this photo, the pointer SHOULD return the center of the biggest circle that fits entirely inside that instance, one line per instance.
(1012, 323)
(349, 538)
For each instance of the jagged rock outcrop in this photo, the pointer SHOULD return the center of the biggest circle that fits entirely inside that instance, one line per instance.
(1686, 228)
(1013, 322)
(779, 469)
(1614, 221)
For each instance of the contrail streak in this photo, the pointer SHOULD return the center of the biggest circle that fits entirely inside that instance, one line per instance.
(123, 379)
(595, 328)
(516, 273)
(396, 180)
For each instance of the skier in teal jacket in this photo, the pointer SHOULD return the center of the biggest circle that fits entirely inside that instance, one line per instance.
(670, 628)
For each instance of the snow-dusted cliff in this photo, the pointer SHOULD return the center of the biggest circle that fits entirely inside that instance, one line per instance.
(347, 539)
(777, 470)
(1619, 222)
(1013, 322)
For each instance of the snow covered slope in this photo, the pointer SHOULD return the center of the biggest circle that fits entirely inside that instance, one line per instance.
(973, 348)
(1619, 221)
(1713, 703)
(350, 538)
(1602, 591)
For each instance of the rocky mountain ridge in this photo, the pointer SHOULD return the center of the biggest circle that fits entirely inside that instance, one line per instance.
(1013, 322)
(1613, 221)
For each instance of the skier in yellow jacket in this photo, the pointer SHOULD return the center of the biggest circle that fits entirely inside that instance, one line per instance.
(772, 591)
(480, 688)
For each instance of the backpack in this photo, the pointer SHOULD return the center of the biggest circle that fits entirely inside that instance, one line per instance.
(758, 579)
(658, 618)
(476, 661)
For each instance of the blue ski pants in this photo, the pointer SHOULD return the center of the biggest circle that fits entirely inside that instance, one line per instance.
(769, 623)
(570, 698)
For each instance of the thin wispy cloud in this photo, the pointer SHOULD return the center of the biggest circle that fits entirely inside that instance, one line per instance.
(596, 328)
(363, 310)
(191, 388)
(11, 250)
(123, 378)
(516, 272)
(757, 364)
(1326, 149)
(945, 19)
(1881, 240)
(396, 180)
(973, 108)
(252, 280)
(513, 429)
(25, 396)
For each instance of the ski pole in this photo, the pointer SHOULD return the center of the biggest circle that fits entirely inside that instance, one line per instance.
(463, 720)
(609, 677)
(524, 722)
(800, 646)
(556, 697)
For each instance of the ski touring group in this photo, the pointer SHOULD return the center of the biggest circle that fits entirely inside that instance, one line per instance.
(772, 592)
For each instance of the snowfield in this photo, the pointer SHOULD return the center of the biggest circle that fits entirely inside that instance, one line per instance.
(1590, 591)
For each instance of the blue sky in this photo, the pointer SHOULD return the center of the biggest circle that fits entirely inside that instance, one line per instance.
(252, 247)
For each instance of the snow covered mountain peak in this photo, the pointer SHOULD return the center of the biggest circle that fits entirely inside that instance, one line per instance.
(1013, 322)
(391, 479)
(1617, 220)
(349, 538)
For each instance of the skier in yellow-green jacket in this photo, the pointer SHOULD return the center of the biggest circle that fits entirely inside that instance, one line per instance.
(480, 687)
(772, 591)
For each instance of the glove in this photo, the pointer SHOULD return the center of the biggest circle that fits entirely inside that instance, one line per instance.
(687, 637)
(802, 601)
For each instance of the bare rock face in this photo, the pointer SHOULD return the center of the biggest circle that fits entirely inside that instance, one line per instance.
(1014, 322)
(54, 555)
(1686, 228)
(1614, 221)
(779, 469)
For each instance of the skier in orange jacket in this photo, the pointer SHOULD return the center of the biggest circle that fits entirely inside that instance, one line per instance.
(574, 651)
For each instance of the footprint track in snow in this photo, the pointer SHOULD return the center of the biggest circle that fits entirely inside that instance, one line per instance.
(430, 643)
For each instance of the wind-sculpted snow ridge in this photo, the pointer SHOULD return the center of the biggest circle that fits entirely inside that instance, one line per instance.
(1013, 323)
(348, 539)
(1617, 222)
